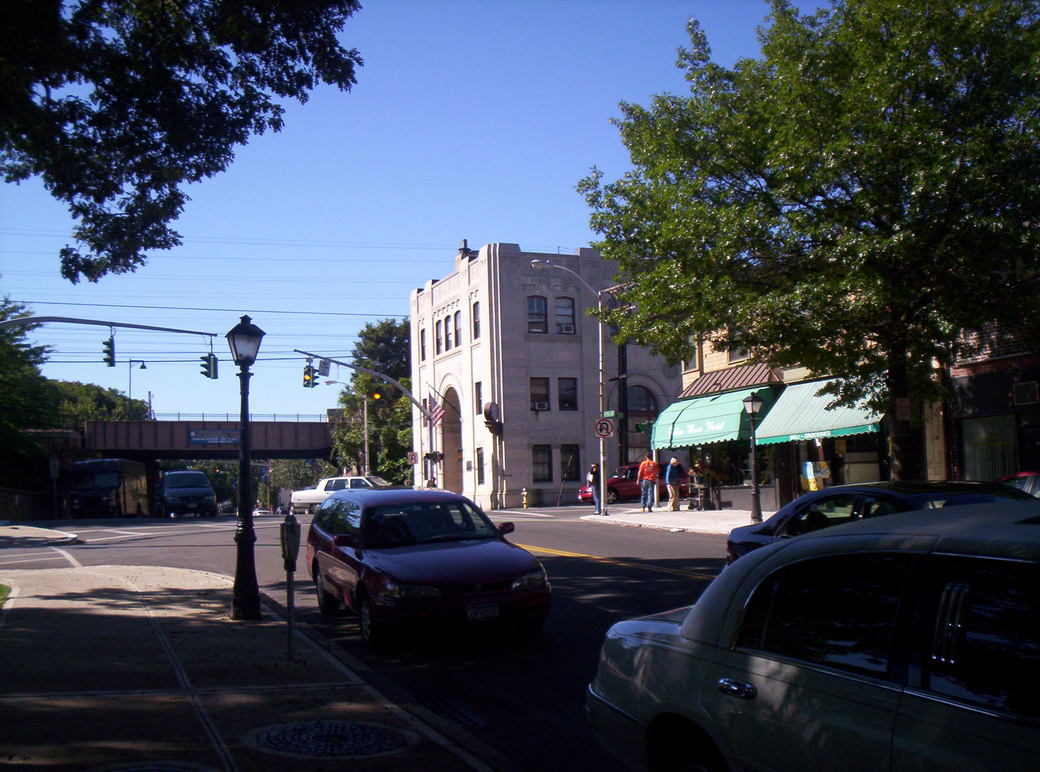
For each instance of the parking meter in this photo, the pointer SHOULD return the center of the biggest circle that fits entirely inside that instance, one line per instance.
(290, 541)
(290, 532)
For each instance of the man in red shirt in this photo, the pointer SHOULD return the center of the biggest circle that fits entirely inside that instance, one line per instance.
(648, 472)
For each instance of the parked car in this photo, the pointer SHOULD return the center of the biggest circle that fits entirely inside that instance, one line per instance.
(403, 557)
(845, 503)
(261, 512)
(624, 484)
(1024, 481)
(896, 643)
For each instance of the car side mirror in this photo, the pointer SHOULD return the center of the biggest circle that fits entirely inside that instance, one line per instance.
(344, 540)
(504, 528)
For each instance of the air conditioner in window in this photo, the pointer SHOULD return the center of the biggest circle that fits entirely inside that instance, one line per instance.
(1025, 393)
(565, 329)
(539, 406)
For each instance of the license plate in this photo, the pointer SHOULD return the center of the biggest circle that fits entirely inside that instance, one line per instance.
(190, 506)
(482, 611)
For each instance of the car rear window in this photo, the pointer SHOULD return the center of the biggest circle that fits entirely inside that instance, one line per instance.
(939, 500)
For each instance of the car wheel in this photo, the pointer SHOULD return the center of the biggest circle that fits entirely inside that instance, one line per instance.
(373, 632)
(611, 496)
(675, 744)
(328, 604)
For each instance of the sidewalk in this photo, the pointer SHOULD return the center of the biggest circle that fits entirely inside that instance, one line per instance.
(121, 667)
(719, 521)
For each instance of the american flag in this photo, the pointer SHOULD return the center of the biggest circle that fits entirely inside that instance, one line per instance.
(436, 411)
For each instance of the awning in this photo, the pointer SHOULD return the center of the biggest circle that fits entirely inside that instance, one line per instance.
(800, 414)
(707, 419)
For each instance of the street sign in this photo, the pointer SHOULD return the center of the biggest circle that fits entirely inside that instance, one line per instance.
(413, 458)
(604, 427)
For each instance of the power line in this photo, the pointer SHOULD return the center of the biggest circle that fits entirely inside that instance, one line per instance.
(190, 308)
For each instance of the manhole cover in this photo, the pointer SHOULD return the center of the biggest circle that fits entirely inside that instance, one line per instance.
(331, 739)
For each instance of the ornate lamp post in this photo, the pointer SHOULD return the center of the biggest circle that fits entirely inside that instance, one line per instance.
(244, 339)
(753, 405)
(543, 264)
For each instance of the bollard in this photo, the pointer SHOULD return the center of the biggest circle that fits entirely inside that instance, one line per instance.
(523, 497)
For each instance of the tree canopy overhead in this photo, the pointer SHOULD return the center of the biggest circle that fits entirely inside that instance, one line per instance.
(118, 104)
(850, 201)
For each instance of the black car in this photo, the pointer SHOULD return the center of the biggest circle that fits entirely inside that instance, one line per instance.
(846, 503)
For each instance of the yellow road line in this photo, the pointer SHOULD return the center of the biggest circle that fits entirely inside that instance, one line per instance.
(614, 562)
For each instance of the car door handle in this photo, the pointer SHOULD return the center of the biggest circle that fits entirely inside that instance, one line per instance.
(739, 689)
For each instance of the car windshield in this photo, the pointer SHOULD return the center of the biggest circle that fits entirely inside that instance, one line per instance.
(425, 522)
(197, 480)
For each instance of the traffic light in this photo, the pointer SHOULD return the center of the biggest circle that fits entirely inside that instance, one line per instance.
(308, 377)
(209, 365)
(377, 394)
(109, 349)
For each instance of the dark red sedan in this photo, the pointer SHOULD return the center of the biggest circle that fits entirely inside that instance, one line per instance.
(408, 557)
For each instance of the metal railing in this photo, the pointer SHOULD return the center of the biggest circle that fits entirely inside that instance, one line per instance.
(283, 417)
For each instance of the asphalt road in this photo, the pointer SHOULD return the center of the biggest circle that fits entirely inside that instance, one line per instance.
(523, 698)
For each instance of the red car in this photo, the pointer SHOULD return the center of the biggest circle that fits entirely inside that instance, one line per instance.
(624, 484)
(403, 557)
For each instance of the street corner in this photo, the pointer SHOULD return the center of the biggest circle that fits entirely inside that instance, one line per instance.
(30, 536)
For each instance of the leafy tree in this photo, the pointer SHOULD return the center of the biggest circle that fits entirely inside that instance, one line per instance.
(117, 105)
(80, 402)
(384, 347)
(851, 202)
(26, 402)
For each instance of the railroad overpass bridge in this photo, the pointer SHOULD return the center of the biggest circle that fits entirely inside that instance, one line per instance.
(154, 440)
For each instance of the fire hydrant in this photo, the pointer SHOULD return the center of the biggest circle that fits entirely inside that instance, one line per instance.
(523, 497)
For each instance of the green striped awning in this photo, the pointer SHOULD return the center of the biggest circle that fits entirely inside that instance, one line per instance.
(707, 419)
(800, 413)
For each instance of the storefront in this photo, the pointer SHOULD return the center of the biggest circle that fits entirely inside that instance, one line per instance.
(817, 446)
(715, 429)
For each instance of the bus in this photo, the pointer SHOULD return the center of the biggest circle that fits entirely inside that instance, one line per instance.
(108, 487)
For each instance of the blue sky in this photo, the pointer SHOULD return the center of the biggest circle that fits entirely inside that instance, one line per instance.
(471, 119)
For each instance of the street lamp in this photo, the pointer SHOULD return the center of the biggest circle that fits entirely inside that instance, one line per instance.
(542, 265)
(130, 385)
(752, 405)
(244, 340)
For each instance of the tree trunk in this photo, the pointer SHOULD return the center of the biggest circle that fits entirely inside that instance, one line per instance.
(906, 452)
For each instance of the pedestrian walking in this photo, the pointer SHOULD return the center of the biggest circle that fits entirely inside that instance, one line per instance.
(648, 473)
(594, 482)
(672, 473)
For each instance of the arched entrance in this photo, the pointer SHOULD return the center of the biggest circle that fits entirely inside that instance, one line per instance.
(451, 442)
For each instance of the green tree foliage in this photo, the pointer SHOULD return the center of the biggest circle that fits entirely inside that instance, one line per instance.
(80, 402)
(850, 202)
(384, 347)
(26, 402)
(117, 105)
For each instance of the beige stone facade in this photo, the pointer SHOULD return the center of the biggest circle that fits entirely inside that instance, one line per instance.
(510, 352)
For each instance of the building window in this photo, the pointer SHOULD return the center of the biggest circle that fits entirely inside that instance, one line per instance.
(641, 400)
(458, 328)
(478, 396)
(479, 461)
(539, 394)
(541, 463)
(567, 393)
(570, 462)
(447, 333)
(439, 341)
(476, 321)
(422, 345)
(565, 316)
(537, 314)
(737, 355)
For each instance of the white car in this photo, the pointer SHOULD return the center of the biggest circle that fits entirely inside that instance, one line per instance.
(261, 512)
(906, 643)
(309, 499)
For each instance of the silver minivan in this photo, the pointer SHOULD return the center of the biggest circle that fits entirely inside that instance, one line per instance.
(908, 643)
